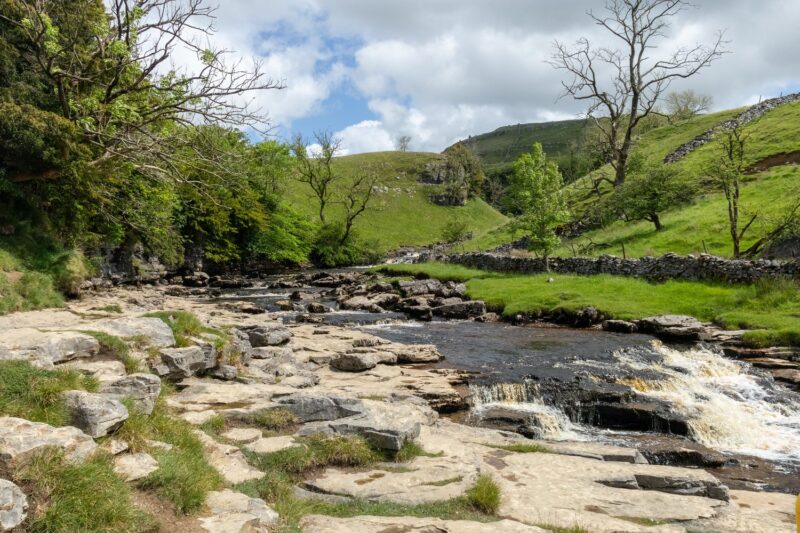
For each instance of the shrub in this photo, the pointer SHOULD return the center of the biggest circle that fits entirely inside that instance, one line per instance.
(329, 251)
(69, 271)
(484, 495)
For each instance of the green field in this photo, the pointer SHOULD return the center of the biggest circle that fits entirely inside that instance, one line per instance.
(702, 225)
(771, 309)
(404, 216)
(499, 148)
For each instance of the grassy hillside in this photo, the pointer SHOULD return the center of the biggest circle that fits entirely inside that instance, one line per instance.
(705, 219)
(498, 149)
(403, 216)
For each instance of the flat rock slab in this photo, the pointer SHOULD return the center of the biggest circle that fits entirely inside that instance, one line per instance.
(152, 330)
(228, 460)
(576, 493)
(231, 510)
(46, 348)
(271, 444)
(753, 512)
(13, 505)
(243, 435)
(407, 524)
(20, 438)
(103, 371)
(134, 466)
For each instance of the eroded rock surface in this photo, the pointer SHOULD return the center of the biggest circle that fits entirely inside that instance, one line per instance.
(20, 438)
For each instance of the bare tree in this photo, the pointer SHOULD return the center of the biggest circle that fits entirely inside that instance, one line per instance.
(684, 105)
(315, 166)
(636, 81)
(356, 200)
(115, 77)
(403, 143)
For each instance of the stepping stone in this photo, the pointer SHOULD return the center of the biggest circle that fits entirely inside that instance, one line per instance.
(234, 512)
(13, 505)
(271, 444)
(243, 435)
(228, 460)
(95, 414)
(134, 466)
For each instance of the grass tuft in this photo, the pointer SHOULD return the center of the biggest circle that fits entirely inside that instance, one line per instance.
(184, 325)
(484, 495)
(118, 348)
(522, 447)
(35, 394)
(278, 419)
(85, 496)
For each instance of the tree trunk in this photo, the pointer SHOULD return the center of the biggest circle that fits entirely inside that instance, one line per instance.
(656, 221)
(619, 171)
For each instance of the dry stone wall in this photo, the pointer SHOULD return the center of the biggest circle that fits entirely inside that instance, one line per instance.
(669, 266)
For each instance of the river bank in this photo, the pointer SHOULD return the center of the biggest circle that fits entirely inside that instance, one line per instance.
(338, 374)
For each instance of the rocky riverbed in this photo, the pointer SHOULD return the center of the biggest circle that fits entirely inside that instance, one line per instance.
(338, 377)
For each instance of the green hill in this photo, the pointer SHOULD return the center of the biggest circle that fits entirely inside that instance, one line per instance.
(702, 225)
(403, 215)
(561, 141)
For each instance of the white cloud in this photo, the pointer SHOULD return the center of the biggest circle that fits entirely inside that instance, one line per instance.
(440, 70)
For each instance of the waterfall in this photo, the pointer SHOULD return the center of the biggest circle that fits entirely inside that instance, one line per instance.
(728, 408)
(549, 422)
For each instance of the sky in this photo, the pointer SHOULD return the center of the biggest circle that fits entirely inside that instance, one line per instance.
(438, 71)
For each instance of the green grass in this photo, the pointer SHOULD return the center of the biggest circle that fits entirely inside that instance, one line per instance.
(499, 148)
(484, 495)
(276, 420)
(32, 291)
(35, 394)
(523, 447)
(185, 325)
(705, 219)
(117, 348)
(398, 218)
(184, 476)
(84, 496)
(770, 308)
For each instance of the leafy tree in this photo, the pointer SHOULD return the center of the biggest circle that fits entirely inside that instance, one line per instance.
(649, 191)
(686, 104)
(728, 172)
(464, 170)
(455, 230)
(535, 196)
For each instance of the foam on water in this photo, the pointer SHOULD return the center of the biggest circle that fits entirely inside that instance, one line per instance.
(729, 408)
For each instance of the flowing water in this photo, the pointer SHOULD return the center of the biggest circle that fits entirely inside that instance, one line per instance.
(729, 406)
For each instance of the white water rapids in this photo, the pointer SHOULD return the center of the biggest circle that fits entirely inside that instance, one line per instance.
(728, 407)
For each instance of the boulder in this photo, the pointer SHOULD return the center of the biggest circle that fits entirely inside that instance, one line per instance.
(240, 343)
(154, 330)
(281, 353)
(419, 312)
(268, 335)
(620, 326)
(181, 363)
(354, 362)
(790, 376)
(142, 389)
(13, 505)
(419, 287)
(316, 307)
(95, 414)
(20, 438)
(224, 372)
(134, 466)
(468, 309)
(312, 407)
(416, 353)
(196, 279)
(708, 487)
(676, 327)
(356, 303)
